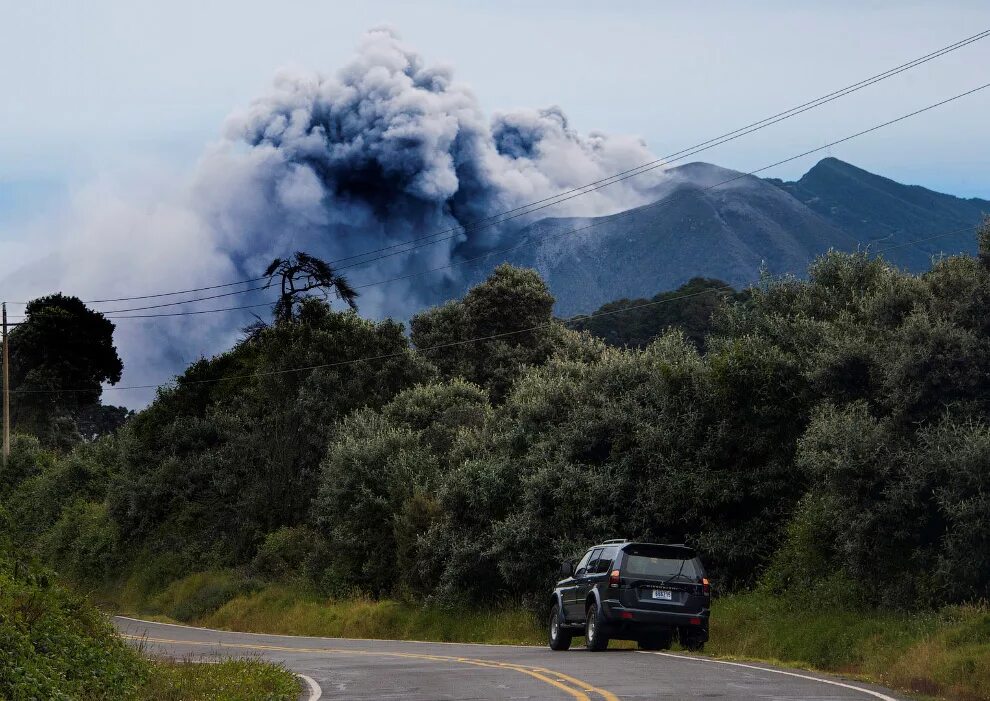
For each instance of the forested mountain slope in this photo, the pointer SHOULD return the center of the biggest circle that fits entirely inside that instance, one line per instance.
(884, 213)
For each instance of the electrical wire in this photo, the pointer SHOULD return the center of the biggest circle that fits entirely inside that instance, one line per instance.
(385, 356)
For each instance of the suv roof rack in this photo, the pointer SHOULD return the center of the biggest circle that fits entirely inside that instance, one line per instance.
(615, 540)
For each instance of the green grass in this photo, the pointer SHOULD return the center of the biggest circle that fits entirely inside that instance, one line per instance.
(943, 654)
(200, 594)
(217, 599)
(287, 610)
(231, 680)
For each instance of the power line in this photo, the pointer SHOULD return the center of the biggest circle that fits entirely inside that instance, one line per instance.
(179, 292)
(185, 301)
(171, 294)
(196, 312)
(566, 195)
(383, 356)
(449, 344)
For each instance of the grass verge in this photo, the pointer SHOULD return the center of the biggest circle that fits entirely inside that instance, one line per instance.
(280, 609)
(230, 680)
(943, 654)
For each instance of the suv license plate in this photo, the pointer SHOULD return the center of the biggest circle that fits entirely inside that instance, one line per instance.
(663, 594)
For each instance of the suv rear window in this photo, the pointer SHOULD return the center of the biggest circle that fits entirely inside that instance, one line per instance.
(646, 563)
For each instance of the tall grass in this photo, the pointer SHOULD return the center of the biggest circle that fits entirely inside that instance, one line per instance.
(230, 680)
(287, 610)
(943, 654)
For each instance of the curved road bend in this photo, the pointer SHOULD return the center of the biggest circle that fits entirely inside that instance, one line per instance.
(337, 668)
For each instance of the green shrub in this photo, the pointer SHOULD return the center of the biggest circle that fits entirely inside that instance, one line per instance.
(806, 567)
(288, 552)
(197, 595)
(54, 645)
(82, 544)
(36, 503)
(149, 575)
(27, 458)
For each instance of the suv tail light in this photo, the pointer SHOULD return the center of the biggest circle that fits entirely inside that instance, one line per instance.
(706, 587)
(613, 579)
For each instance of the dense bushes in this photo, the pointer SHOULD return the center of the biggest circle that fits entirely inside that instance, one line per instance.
(512, 310)
(895, 450)
(54, 645)
(212, 467)
(913, 517)
(379, 483)
(288, 553)
(642, 444)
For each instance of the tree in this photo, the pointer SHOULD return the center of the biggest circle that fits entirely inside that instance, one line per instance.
(101, 420)
(636, 322)
(60, 356)
(378, 484)
(983, 237)
(302, 274)
(511, 315)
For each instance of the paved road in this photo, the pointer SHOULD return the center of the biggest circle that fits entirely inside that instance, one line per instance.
(349, 669)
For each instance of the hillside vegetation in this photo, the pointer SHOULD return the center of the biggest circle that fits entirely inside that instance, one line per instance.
(637, 322)
(826, 445)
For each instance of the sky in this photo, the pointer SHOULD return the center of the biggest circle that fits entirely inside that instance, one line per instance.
(99, 90)
(125, 97)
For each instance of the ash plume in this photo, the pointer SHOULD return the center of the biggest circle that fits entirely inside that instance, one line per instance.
(385, 150)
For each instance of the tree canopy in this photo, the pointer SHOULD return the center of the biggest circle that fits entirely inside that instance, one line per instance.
(60, 356)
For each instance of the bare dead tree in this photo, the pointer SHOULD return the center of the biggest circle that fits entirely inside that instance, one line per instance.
(303, 276)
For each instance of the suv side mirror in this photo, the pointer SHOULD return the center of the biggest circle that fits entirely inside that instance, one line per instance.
(567, 568)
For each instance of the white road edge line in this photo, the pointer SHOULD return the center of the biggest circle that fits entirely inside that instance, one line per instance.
(860, 689)
(317, 637)
(315, 692)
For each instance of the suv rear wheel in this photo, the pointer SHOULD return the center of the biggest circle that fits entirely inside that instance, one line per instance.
(559, 638)
(594, 630)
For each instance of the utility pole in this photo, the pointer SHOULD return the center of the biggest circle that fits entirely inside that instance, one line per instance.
(6, 390)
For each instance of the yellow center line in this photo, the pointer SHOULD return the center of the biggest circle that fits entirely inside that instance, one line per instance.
(554, 678)
(607, 695)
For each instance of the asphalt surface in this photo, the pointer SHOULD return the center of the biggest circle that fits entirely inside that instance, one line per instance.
(338, 668)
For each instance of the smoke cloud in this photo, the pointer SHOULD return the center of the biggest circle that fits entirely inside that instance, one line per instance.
(386, 150)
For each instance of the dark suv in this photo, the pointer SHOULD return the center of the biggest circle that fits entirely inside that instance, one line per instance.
(632, 591)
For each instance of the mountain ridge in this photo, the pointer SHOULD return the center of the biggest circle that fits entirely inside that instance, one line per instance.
(700, 227)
